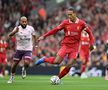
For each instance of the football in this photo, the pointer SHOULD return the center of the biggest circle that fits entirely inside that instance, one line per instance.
(54, 80)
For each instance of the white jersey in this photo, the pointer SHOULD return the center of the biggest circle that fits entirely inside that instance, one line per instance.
(24, 38)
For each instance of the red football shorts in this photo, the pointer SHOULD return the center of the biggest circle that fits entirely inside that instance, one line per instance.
(3, 59)
(84, 54)
(71, 52)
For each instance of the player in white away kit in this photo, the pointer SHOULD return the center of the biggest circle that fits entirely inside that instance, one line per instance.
(25, 34)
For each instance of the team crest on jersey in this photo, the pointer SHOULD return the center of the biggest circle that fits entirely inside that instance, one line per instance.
(78, 27)
(67, 26)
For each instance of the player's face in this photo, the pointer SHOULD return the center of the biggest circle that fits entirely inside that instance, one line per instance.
(72, 15)
(23, 22)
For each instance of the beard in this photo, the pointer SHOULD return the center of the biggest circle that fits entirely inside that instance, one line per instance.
(23, 26)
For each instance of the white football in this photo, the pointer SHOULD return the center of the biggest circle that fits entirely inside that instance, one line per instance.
(55, 80)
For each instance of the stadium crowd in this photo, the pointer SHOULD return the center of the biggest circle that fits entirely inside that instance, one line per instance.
(93, 11)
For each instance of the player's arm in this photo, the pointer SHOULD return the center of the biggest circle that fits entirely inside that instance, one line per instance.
(92, 40)
(89, 31)
(34, 37)
(52, 32)
(35, 42)
(15, 30)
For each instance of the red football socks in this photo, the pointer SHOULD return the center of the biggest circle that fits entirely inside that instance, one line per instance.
(63, 72)
(83, 68)
(50, 60)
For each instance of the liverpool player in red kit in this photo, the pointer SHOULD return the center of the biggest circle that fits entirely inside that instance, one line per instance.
(72, 28)
(84, 52)
(3, 59)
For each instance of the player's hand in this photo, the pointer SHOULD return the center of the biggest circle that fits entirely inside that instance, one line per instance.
(92, 47)
(36, 44)
(41, 38)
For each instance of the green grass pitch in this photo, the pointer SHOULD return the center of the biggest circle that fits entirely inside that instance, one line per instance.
(43, 83)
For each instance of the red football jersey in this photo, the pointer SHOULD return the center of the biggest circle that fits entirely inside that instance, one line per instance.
(84, 50)
(3, 46)
(72, 32)
(85, 41)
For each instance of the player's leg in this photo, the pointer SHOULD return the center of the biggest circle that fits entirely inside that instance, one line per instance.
(52, 60)
(72, 59)
(16, 59)
(66, 69)
(1, 66)
(27, 59)
(3, 69)
(84, 58)
(13, 69)
(1, 75)
(83, 65)
(4, 64)
(83, 69)
(24, 68)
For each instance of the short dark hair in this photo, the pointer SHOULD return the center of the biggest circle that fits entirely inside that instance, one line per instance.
(72, 8)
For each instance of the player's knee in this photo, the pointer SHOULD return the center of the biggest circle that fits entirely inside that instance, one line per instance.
(15, 63)
(27, 61)
(57, 62)
(84, 62)
(71, 62)
(69, 65)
